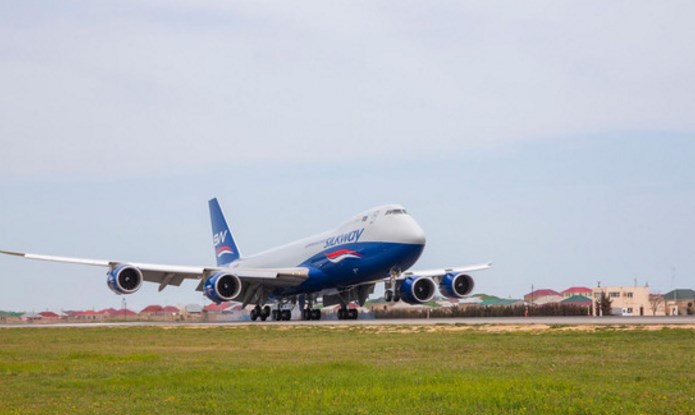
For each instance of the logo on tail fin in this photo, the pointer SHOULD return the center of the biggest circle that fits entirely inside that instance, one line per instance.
(223, 250)
(219, 237)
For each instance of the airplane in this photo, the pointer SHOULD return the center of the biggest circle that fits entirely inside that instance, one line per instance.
(340, 266)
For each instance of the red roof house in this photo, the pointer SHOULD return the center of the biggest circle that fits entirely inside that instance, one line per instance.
(217, 308)
(585, 291)
(108, 311)
(170, 309)
(112, 312)
(152, 309)
(48, 315)
(86, 315)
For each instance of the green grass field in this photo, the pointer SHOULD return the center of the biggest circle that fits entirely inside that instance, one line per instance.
(346, 370)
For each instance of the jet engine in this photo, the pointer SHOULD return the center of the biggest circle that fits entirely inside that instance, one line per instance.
(417, 290)
(222, 287)
(456, 285)
(124, 279)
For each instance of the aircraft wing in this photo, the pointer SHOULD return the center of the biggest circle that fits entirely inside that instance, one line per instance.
(166, 275)
(433, 273)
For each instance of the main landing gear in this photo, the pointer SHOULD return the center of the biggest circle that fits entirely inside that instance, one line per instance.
(285, 314)
(260, 312)
(390, 295)
(311, 314)
(281, 315)
(347, 314)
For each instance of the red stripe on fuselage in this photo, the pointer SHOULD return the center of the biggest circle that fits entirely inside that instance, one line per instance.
(336, 254)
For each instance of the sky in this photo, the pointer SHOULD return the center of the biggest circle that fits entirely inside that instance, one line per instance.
(555, 139)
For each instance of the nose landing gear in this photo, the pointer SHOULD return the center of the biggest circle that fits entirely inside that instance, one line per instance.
(391, 293)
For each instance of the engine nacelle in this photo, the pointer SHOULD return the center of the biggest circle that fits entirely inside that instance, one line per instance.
(456, 285)
(417, 290)
(221, 287)
(124, 279)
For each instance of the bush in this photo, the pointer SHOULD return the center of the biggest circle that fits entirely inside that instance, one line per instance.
(556, 309)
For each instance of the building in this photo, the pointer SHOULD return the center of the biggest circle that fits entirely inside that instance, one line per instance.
(497, 302)
(577, 300)
(572, 291)
(10, 316)
(548, 299)
(49, 315)
(679, 302)
(193, 309)
(192, 312)
(213, 308)
(171, 311)
(116, 314)
(31, 316)
(538, 296)
(625, 301)
(87, 315)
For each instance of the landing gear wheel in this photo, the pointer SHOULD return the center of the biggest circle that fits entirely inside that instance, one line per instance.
(388, 296)
(396, 297)
(265, 313)
(346, 314)
(285, 315)
(311, 314)
(256, 313)
(275, 314)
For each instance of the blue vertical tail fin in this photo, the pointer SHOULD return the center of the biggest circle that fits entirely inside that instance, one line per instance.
(226, 250)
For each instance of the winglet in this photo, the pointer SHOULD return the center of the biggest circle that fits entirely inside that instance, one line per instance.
(225, 247)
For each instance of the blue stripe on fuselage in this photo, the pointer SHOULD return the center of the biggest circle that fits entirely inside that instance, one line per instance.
(375, 261)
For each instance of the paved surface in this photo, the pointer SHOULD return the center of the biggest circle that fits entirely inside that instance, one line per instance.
(568, 321)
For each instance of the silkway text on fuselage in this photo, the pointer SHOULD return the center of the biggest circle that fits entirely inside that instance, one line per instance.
(353, 236)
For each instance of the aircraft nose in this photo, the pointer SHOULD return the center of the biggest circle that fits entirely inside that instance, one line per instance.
(413, 233)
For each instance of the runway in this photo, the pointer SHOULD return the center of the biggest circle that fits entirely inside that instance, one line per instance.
(500, 321)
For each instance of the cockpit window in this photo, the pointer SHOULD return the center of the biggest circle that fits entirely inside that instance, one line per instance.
(396, 212)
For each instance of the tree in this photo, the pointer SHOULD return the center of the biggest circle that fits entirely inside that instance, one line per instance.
(604, 305)
(655, 300)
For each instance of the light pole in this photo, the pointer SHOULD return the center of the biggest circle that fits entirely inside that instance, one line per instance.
(675, 290)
